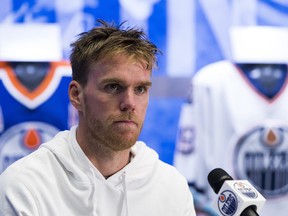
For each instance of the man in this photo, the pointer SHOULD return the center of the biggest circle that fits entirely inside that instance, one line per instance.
(99, 167)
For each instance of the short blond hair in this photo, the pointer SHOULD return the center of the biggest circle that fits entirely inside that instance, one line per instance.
(105, 42)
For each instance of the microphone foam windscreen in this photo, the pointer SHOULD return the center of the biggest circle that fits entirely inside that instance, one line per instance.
(217, 177)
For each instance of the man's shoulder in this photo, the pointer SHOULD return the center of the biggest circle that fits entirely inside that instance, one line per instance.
(149, 157)
(170, 172)
(27, 167)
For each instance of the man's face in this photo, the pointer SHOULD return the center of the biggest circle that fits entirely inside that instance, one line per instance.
(114, 102)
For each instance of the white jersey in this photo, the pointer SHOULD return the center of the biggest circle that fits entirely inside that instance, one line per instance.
(240, 130)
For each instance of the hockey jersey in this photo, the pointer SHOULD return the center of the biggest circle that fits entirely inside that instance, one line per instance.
(238, 129)
(31, 117)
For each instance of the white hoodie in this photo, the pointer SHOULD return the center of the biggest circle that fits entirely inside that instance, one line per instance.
(59, 180)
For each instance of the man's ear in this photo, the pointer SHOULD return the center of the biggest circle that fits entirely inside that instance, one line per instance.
(75, 94)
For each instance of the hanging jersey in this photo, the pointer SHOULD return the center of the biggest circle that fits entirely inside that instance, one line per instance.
(29, 118)
(185, 152)
(242, 131)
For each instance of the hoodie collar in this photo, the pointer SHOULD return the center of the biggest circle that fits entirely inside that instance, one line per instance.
(66, 148)
(141, 164)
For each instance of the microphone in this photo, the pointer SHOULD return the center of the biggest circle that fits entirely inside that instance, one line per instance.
(235, 197)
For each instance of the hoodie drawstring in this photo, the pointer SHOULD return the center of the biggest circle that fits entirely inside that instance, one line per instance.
(94, 197)
(125, 211)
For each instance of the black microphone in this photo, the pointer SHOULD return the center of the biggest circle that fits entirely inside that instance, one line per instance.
(235, 197)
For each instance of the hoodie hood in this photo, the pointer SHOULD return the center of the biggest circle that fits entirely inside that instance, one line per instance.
(79, 168)
(71, 156)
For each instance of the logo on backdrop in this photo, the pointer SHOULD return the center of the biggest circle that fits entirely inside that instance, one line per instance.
(261, 156)
(186, 137)
(22, 139)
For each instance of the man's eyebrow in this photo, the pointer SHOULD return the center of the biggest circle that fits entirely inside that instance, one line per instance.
(112, 80)
(146, 83)
(119, 81)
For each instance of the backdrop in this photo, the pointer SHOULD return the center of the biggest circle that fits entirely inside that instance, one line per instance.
(191, 34)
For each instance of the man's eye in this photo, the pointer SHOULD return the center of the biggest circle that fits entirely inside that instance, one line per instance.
(141, 89)
(112, 87)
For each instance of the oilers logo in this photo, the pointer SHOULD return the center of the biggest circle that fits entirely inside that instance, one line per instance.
(22, 139)
(227, 203)
(261, 156)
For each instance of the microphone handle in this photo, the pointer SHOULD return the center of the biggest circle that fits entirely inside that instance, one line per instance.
(249, 211)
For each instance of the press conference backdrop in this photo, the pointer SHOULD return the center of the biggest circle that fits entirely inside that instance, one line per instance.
(190, 33)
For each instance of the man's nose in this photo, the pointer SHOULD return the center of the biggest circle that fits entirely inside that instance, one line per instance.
(127, 102)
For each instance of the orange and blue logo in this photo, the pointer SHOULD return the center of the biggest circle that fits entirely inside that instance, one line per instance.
(22, 139)
(261, 156)
(227, 203)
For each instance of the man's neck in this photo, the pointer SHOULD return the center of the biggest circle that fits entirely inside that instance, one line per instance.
(109, 165)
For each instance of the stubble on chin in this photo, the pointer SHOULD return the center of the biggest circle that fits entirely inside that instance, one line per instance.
(108, 139)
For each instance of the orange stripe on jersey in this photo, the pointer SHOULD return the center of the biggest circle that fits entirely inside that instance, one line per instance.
(42, 86)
